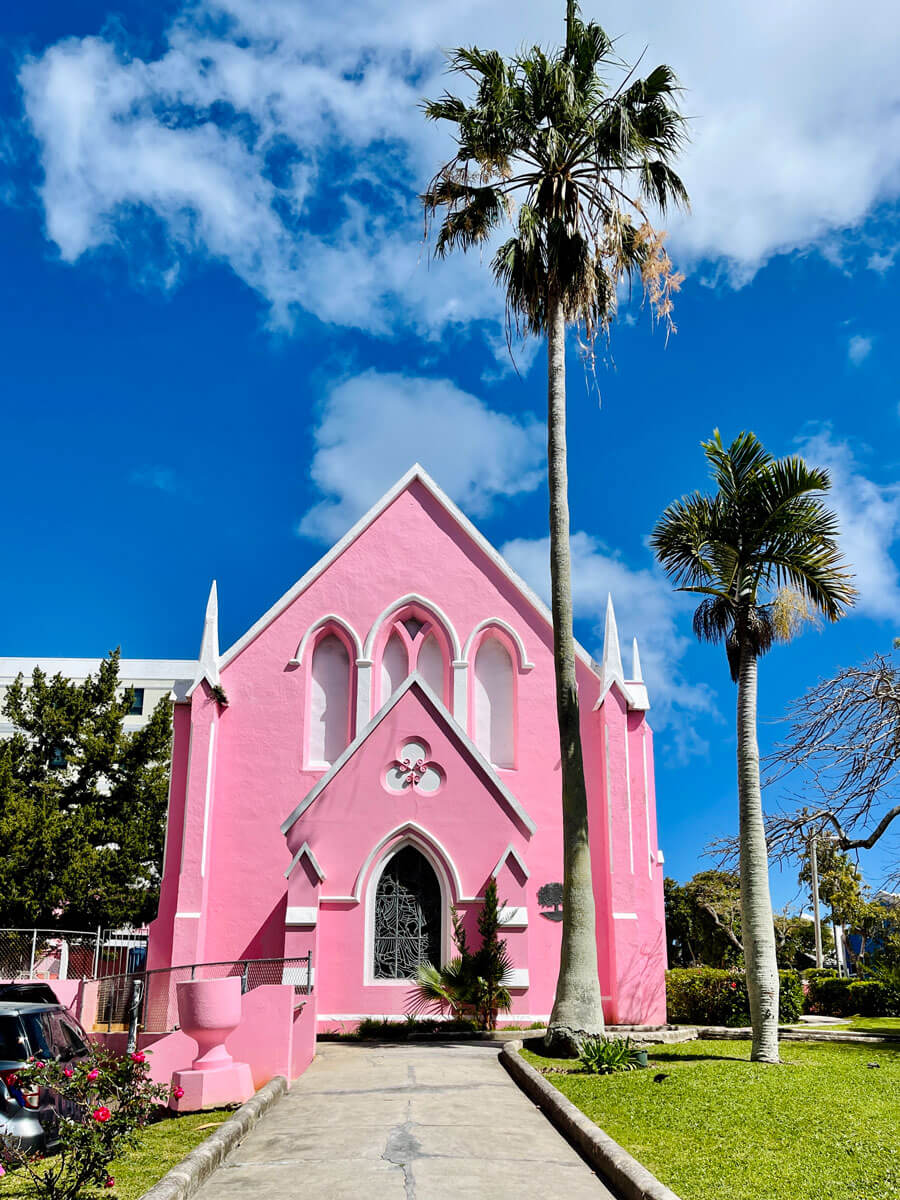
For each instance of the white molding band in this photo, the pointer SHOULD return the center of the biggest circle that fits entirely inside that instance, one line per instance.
(313, 862)
(395, 606)
(512, 917)
(188, 916)
(416, 472)
(210, 763)
(524, 664)
(363, 693)
(301, 915)
(625, 916)
(415, 679)
(517, 978)
(328, 619)
(510, 850)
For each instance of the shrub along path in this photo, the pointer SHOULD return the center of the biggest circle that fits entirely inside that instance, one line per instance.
(821, 1127)
(404, 1122)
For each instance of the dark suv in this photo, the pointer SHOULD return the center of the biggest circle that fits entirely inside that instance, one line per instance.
(29, 1119)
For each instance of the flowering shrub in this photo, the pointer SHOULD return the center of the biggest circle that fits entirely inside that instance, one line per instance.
(707, 996)
(105, 1101)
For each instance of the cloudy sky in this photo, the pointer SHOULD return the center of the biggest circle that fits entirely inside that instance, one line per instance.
(214, 276)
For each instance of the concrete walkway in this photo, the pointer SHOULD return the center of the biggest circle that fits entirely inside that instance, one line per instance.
(407, 1122)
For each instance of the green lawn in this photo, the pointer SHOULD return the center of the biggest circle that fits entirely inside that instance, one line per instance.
(889, 1025)
(822, 1127)
(163, 1145)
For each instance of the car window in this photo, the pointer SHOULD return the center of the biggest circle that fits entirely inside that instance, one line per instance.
(12, 1040)
(40, 1035)
(74, 1038)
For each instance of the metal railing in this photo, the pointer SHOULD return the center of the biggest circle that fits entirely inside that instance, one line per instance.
(70, 953)
(152, 1006)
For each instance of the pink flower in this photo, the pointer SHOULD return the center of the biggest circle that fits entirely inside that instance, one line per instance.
(39, 1066)
(139, 1056)
(68, 1072)
(101, 1114)
(92, 1075)
(12, 1079)
(2, 1169)
(110, 1182)
(178, 1092)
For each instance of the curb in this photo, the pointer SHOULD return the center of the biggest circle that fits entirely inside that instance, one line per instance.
(793, 1033)
(607, 1157)
(186, 1177)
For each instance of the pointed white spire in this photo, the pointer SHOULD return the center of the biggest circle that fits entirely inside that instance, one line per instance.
(611, 664)
(208, 667)
(636, 663)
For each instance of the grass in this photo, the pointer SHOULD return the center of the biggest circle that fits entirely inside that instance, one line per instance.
(163, 1145)
(821, 1127)
(890, 1025)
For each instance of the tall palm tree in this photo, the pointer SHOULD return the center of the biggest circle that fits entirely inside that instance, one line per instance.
(763, 553)
(568, 159)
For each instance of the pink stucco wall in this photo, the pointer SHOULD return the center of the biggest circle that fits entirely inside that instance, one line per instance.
(239, 771)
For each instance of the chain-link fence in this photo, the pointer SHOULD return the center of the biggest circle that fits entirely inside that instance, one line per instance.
(156, 995)
(70, 953)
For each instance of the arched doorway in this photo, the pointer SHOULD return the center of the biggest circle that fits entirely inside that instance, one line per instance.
(407, 917)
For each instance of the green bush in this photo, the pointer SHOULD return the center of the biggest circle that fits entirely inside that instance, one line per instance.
(707, 996)
(601, 1056)
(820, 973)
(373, 1029)
(829, 996)
(868, 998)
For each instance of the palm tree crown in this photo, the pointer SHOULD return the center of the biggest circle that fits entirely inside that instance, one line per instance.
(580, 157)
(764, 539)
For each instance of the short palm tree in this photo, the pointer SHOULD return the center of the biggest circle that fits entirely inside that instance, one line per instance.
(763, 553)
(552, 147)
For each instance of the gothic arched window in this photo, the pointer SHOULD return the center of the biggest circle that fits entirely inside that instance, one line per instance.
(329, 704)
(494, 697)
(416, 642)
(407, 918)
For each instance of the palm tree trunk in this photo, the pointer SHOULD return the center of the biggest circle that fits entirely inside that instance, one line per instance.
(578, 1007)
(756, 904)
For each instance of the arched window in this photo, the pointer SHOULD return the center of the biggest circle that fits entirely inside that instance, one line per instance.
(430, 665)
(394, 666)
(494, 696)
(407, 918)
(415, 641)
(329, 707)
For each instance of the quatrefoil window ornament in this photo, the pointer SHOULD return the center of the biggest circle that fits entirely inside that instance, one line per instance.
(413, 768)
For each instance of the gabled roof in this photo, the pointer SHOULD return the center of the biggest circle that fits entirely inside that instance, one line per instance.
(416, 472)
(468, 747)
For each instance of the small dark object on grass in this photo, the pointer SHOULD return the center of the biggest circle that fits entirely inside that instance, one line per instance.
(873, 1066)
(660, 1077)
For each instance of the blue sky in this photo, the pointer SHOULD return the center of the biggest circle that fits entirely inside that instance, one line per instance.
(221, 337)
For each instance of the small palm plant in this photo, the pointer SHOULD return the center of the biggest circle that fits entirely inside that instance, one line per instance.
(763, 554)
(569, 148)
(474, 983)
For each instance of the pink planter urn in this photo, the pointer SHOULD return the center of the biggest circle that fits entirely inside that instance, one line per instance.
(209, 1010)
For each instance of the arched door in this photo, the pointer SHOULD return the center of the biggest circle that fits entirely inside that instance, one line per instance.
(407, 916)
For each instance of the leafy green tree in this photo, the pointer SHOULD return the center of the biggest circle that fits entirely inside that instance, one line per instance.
(763, 554)
(82, 803)
(569, 156)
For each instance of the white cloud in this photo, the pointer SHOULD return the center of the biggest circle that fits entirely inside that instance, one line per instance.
(284, 139)
(646, 608)
(859, 348)
(374, 426)
(869, 517)
(161, 479)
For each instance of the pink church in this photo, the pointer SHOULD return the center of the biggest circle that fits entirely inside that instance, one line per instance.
(377, 747)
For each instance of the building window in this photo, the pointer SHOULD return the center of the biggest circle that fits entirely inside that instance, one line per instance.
(407, 916)
(415, 643)
(137, 703)
(494, 694)
(329, 710)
